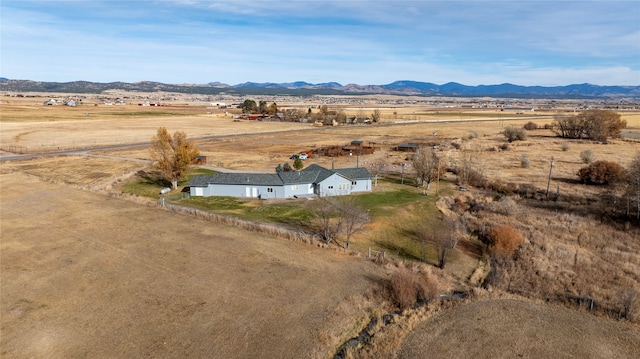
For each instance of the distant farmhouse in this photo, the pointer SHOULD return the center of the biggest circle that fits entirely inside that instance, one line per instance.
(311, 181)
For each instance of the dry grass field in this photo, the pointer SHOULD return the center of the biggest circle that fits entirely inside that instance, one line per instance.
(85, 273)
(505, 328)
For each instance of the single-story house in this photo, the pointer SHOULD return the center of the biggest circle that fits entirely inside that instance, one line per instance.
(312, 181)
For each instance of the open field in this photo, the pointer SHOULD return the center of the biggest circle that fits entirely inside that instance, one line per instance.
(85, 275)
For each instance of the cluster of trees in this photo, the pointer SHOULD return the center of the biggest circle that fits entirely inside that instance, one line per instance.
(324, 114)
(597, 125)
(250, 106)
(297, 165)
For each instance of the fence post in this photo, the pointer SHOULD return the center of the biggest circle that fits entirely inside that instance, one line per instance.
(369, 255)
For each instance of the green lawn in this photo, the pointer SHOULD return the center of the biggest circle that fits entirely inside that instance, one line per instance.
(149, 185)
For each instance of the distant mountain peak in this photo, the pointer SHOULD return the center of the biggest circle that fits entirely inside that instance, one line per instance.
(401, 87)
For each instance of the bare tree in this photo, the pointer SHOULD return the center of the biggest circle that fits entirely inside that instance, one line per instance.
(326, 218)
(467, 168)
(353, 216)
(375, 116)
(634, 182)
(427, 166)
(376, 168)
(446, 239)
(172, 155)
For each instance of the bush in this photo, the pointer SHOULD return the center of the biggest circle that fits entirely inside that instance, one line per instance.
(602, 172)
(513, 133)
(504, 146)
(472, 135)
(504, 240)
(530, 126)
(403, 288)
(586, 156)
(565, 146)
(407, 287)
(524, 161)
(506, 205)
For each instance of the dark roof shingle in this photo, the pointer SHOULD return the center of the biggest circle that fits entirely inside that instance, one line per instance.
(311, 174)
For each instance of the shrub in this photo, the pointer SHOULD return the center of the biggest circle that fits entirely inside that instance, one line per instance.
(565, 146)
(472, 135)
(403, 288)
(586, 156)
(506, 205)
(407, 287)
(504, 146)
(524, 161)
(602, 172)
(513, 133)
(530, 126)
(504, 240)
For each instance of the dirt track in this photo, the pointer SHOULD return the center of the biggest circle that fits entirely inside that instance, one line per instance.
(84, 275)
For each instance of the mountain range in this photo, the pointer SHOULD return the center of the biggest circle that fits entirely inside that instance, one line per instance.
(301, 88)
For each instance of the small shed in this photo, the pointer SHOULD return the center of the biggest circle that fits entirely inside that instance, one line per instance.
(407, 147)
(200, 160)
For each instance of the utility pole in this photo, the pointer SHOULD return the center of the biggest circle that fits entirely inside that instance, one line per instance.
(549, 180)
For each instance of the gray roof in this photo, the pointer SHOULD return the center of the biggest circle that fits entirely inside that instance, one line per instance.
(355, 173)
(311, 174)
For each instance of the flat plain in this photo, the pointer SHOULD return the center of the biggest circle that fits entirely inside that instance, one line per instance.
(85, 273)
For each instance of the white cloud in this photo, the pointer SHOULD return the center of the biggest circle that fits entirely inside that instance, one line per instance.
(367, 42)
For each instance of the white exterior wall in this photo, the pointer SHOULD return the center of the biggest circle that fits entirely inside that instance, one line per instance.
(335, 185)
(362, 185)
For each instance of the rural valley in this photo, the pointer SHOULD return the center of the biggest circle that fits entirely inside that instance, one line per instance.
(515, 244)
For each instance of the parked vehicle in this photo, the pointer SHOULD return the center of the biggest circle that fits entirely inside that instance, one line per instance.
(303, 156)
(293, 157)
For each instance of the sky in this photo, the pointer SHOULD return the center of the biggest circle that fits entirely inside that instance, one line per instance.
(366, 42)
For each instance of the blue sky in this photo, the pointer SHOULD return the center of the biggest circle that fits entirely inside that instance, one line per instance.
(545, 43)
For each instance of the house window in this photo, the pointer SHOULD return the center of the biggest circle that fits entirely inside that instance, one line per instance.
(330, 187)
(269, 189)
(354, 183)
(343, 186)
(294, 187)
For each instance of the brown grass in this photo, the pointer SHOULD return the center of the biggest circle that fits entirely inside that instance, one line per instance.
(510, 328)
(84, 274)
(99, 248)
